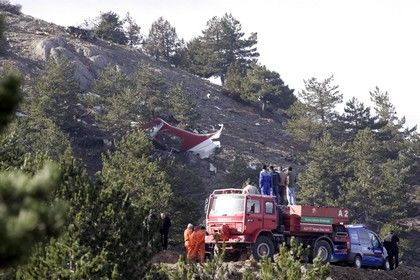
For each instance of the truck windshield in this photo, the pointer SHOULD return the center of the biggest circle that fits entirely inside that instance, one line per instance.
(227, 205)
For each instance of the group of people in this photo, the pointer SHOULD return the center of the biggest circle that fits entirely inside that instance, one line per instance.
(194, 239)
(276, 182)
(194, 242)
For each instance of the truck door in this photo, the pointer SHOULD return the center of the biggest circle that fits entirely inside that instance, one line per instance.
(253, 216)
(270, 215)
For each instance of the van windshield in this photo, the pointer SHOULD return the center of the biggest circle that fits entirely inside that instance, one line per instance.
(227, 205)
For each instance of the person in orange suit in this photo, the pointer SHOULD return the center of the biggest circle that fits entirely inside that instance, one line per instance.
(187, 234)
(197, 244)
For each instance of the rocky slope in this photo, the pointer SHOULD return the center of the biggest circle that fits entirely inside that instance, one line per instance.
(260, 139)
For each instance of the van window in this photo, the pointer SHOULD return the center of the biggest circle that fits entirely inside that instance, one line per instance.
(374, 240)
(269, 207)
(253, 206)
(364, 237)
(354, 237)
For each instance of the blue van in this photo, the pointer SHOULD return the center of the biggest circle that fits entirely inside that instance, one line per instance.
(366, 248)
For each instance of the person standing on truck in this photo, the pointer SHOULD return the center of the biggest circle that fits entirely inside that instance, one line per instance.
(265, 181)
(275, 181)
(283, 179)
(187, 234)
(391, 245)
(165, 224)
(291, 186)
(250, 189)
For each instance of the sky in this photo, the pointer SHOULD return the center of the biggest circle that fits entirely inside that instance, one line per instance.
(363, 43)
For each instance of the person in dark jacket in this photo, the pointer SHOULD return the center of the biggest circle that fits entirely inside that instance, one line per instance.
(275, 181)
(391, 245)
(164, 230)
(283, 181)
(265, 181)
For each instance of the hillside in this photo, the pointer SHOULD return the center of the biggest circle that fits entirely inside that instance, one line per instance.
(260, 139)
(257, 136)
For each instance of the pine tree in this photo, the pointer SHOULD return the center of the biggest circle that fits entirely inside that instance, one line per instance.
(201, 59)
(28, 216)
(321, 183)
(264, 86)
(111, 81)
(392, 133)
(148, 189)
(234, 79)
(314, 114)
(151, 88)
(132, 31)
(10, 97)
(183, 109)
(224, 38)
(162, 41)
(110, 27)
(56, 89)
(354, 118)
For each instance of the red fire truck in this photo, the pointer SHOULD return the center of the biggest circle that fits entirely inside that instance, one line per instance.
(255, 222)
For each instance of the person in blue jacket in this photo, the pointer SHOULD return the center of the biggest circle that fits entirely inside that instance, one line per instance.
(266, 182)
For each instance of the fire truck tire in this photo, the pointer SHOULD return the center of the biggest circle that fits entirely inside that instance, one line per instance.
(263, 247)
(323, 249)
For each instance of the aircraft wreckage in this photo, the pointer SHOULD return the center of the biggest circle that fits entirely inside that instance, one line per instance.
(173, 138)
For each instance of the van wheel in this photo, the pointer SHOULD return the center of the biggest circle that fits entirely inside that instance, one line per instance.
(323, 250)
(263, 247)
(358, 262)
(386, 265)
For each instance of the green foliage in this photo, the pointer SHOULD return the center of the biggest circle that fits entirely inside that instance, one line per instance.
(152, 90)
(10, 97)
(64, 258)
(349, 173)
(356, 117)
(326, 169)
(56, 90)
(314, 114)
(111, 81)
(26, 213)
(33, 133)
(121, 110)
(131, 169)
(201, 60)
(183, 184)
(162, 41)
(132, 31)
(260, 85)
(224, 40)
(287, 265)
(136, 102)
(183, 109)
(110, 27)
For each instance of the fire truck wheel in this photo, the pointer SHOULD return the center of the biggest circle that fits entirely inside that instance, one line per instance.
(263, 247)
(323, 250)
